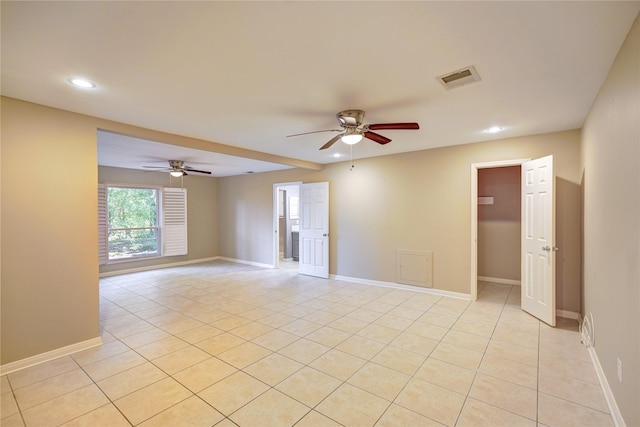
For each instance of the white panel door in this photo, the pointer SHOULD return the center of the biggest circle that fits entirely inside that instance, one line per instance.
(538, 240)
(314, 229)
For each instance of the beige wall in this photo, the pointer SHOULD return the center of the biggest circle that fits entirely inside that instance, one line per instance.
(499, 223)
(418, 200)
(611, 152)
(569, 242)
(202, 213)
(49, 235)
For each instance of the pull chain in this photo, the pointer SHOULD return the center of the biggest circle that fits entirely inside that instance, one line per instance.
(351, 154)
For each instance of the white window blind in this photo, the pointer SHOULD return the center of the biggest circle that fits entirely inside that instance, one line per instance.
(103, 251)
(174, 221)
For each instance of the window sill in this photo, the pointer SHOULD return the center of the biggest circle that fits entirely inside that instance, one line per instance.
(133, 259)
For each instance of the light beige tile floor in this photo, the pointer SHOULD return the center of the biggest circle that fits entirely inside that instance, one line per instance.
(228, 344)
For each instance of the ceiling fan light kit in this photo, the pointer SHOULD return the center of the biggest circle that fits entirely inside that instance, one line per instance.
(351, 136)
(353, 130)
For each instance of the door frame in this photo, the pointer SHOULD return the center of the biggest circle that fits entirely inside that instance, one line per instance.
(276, 224)
(474, 215)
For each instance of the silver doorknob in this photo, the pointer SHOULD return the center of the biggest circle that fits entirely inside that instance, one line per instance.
(325, 234)
(549, 248)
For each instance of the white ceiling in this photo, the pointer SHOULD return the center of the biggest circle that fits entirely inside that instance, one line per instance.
(246, 74)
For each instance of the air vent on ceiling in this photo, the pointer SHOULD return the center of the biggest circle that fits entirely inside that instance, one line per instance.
(459, 77)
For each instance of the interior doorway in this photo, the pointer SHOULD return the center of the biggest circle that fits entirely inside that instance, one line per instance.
(491, 231)
(286, 218)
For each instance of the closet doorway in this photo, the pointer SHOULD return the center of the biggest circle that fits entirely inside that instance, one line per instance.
(495, 223)
(499, 225)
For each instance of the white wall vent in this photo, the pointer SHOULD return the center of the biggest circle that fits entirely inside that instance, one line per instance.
(414, 268)
(459, 77)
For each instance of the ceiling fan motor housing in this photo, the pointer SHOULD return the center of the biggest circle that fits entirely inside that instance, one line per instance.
(350, 118)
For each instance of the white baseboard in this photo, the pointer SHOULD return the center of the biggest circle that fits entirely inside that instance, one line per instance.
(608, 394)
(49, 355)
(568, 314)
(241, 261)
(431, 291)
(156, 267)
(498, 280)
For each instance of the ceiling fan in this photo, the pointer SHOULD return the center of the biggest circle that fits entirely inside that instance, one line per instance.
(352, 130)
(177, 168)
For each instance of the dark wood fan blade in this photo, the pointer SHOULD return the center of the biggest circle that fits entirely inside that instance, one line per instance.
(187, 168)
(381, 126)
(315, 131)
(376, 137)
(331, 142)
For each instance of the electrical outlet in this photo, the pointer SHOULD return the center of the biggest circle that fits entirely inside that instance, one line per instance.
(619, 370)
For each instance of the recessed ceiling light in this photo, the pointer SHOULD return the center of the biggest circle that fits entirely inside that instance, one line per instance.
(337, 155)
(494, 129)
(83, 83)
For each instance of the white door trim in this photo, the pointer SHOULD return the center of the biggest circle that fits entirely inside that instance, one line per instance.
(276, 224)
(474, 215)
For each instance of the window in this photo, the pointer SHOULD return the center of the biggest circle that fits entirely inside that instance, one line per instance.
(132, 222)
(137, 222)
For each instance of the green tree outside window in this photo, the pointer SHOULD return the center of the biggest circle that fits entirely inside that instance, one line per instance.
(133, 222)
